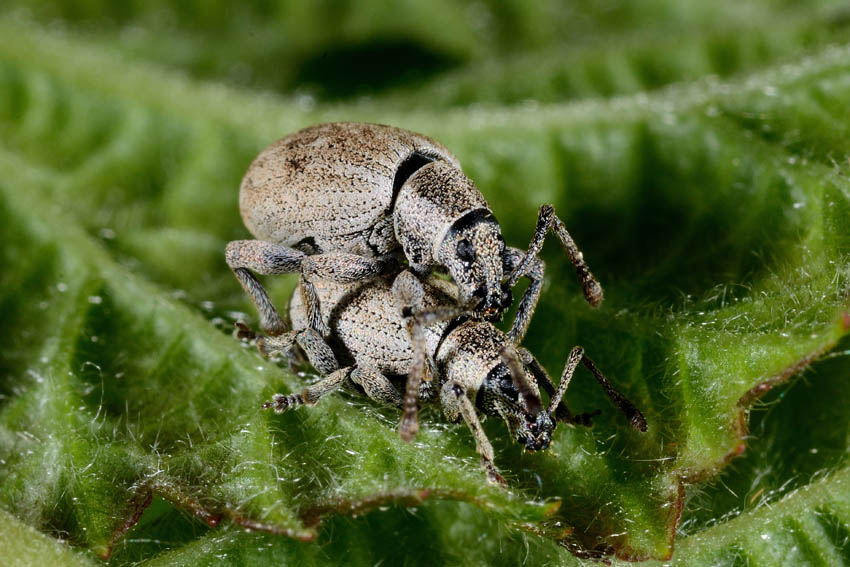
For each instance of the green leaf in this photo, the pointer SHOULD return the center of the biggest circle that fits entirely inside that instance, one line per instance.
(715, 214)
(23, 546)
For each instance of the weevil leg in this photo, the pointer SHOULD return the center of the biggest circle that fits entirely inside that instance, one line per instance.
(343, 267)
(524, 266)
(570, 366)
(409, 297)
(277, 344)
(312, 394)
(340, 267)
(246, 256)
(457, 406)
(319, 354)
(310, 299)
(377, 386)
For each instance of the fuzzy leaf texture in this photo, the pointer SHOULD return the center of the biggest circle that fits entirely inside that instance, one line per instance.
(697, 153)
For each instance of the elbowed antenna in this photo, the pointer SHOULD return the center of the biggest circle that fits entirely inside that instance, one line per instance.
(566, 376)
(633, 414)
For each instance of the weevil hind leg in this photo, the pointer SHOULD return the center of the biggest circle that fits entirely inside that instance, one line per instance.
(321, 357)
(319, 353)
(267, 258)
(312, 394)
(456, 406)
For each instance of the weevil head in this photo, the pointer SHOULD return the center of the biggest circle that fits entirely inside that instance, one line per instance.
(472, 251)
(536, 431)
(500, 396)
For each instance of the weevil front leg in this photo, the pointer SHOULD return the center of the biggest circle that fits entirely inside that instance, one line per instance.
(456, 406)
(560, 412)
(266, 258)
(515, 259)
(519, 264)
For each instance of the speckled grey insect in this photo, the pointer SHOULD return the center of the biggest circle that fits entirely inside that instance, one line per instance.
(336, 202)
(465, 363)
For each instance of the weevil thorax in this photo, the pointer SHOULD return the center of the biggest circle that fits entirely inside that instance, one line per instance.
(470, 355)
(441, 219)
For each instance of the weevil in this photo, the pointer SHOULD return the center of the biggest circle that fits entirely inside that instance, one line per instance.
(402, 326)
(345, 202)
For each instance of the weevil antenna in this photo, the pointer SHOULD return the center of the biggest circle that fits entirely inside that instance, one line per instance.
(570, 366)
(633, 414)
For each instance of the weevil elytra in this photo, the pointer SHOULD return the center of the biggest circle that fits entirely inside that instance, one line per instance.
(397, 327)
(347, 202)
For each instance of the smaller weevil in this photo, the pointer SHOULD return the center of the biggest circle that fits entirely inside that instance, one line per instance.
(345, 202)
(466, 364)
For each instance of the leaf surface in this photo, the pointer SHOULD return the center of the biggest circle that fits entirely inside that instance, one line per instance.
(715, 214)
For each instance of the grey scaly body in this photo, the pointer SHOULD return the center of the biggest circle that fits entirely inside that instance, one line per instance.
(347, 202)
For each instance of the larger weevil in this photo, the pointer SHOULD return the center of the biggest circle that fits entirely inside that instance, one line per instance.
(337, 202)
(468, 365)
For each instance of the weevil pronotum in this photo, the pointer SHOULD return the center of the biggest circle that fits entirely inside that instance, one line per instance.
(347, 202)
(397, 327)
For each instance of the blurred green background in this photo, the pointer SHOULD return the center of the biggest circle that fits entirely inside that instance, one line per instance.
(696, 151)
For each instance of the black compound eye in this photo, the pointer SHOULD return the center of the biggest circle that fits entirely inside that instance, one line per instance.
(465, 252)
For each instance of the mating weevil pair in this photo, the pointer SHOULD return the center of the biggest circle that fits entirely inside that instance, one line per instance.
(348, 205)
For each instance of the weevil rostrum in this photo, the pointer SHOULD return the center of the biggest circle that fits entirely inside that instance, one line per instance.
(346, 202)
(393, 328)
